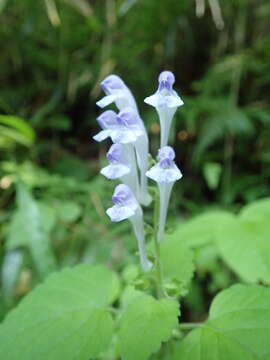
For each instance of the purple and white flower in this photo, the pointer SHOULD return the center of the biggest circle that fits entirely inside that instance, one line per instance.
(122, 128)
(122, 165)
(166, 101)
(118, 163)
(126, 206)
(116, 92)
(165, 173)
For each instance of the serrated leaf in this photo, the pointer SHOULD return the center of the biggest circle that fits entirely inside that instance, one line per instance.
(176, 260)
(29, 228)
(244, 245)
(64, 318)
(238, 327)
(145, 324)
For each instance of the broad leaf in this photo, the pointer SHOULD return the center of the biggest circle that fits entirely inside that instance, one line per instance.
(257, 211)
(238, 328)
(176, 260)
(145, 324)
(64, 318)
(244, 245)
(30, 228)
(202, 229)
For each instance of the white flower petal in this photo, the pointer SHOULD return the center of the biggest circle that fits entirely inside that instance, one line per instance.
(102, 135)
(161, 175)
(106, 100)
(152, 100)
(115, 171)
(118, 213)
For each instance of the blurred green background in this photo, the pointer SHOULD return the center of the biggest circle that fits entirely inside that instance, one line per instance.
(54, 53)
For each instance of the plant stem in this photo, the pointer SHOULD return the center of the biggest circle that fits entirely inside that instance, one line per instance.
(159, 280)
(189, 326)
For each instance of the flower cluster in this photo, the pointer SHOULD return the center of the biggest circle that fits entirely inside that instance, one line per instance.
(128, 155)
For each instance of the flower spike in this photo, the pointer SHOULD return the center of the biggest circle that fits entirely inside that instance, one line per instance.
(116, 91)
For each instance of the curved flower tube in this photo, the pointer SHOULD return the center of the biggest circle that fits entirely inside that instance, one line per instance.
(165, 173)
(122, 165)
(166, 101)
(127, 207)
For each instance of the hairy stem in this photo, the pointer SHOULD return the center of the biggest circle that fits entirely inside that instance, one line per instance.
(189, 326)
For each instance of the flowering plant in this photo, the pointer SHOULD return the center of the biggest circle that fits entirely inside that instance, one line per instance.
(91, 312)
(129, 153)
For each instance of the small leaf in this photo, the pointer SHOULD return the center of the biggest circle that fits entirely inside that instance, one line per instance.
(212, 172)
(145, 324)
(238, 328)
(17, 129)
(64, 318)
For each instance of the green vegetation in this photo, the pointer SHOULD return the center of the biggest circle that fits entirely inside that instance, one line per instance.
(53, 199)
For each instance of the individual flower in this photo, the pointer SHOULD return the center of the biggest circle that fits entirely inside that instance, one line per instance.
(165, 173)
(166, 101)
(118, 163)
(116, 91)
(123, 128)
(127, 207)
(122, 165)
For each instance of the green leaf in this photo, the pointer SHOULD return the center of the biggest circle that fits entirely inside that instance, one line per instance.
(238, 328)
(17, 130)
(212, 172)
(244, 245)
(11, 267)
(145, 324)
(64, 318)
(30, 228)
(257, 211)
(202, 229)
(176, 260)
(68, 211)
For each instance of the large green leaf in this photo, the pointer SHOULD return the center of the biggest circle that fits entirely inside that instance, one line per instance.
(176, 260)
(64, 318)
(244, 245)
(257, 211)
(30, 227)
(238, 328)
(145, 324)
(201, 229)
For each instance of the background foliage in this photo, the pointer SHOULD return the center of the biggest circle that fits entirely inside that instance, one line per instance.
(53, 201)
